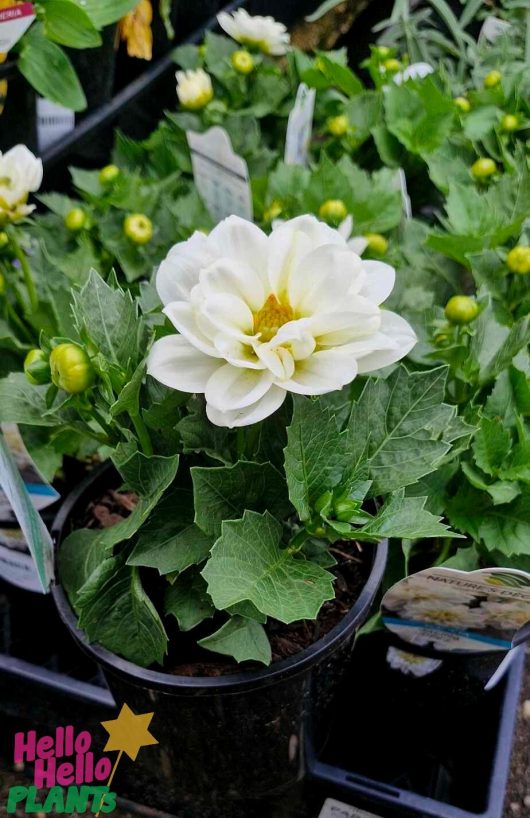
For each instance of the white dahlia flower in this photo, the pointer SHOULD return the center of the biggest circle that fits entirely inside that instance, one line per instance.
(260, 316)
(416, 71)
(20, 175)
(194, 89)
(265, 33)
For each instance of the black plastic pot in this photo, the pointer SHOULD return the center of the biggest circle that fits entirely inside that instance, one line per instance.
(223, 739)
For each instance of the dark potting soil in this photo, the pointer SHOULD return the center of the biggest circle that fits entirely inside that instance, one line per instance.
(185, 657)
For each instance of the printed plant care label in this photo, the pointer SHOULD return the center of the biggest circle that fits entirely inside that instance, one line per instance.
(35, 532)
(411, 664)
(221, 176)
(460, 611)
(17, 567)
(14, 22)
(53, 122)
(492, 28)
(300, 126)
(337, 809)
(41, 493)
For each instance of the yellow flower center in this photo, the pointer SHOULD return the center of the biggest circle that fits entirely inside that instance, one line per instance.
(271, 317)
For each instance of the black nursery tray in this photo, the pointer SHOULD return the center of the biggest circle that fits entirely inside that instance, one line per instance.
(402, 746)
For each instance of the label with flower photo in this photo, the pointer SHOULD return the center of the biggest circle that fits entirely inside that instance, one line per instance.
(14, 22)
(459, 611)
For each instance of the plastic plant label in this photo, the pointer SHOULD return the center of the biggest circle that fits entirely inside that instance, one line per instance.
(41, 493)
(14, 22)
(460, 611)
(299, 127)
(405, 198)
(411, 664)
(53, 122)
(19, 569)
(221, 176)
(35, 532)
(492, 28)
(337, 809)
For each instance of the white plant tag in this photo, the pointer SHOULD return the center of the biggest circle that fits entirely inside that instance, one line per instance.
(299, 127)
(35, 532)
(53, 122)
(19, 569)
(14, 22)
(221, 176)
(337, 809)
(492, 28)
(41, 493)
(411, 664)
(460, 611)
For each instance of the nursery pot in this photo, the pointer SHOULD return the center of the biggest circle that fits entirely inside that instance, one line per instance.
(227, 738)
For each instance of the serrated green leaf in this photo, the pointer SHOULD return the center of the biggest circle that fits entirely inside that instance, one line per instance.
(122, 618)
(403, 418)
(188, 601)
(419, 114)
(225, 492)
(247, 563)
(491, 445)
(405, 518)
(108, 317)
(242, 639)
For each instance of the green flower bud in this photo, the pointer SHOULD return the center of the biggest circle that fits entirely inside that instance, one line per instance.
(138, 228)
(75, 220)
(323, 500)
(509, 123)
(345, 510)
(518, 260)
(71, 368)
(242, 61)
(392, 65)
(463, 104)
(272, 211)
(333, 211)
(382, 51)
(377, 244)
(338, 125)
(4, 239)
(37, 367)
(108, 175)
(492, 80)
(461, 309)
(483, 169)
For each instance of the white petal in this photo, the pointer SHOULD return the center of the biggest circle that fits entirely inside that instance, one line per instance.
(227, 276)
(400, 333)
(296, 336)
(334, 329)
(237, 353)
(175, 363)
(242, 241)
(182, 316)
(267, 405)
(418, 70)
(358, 244)
(323, 372)
(379, 282)
(229, 314)
(278, 360)
(232, 388)
(346, 226)
(320, 282)
(179, 272)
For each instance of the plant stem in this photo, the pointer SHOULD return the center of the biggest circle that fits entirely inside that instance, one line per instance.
(444, 553)
(24, 331)
(28, 277)
(99, 419)
(527, 41)
(143, 434)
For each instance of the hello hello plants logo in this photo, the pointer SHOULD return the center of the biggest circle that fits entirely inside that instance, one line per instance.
(66, 768)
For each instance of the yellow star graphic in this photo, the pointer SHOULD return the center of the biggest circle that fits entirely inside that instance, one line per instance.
(128, 733)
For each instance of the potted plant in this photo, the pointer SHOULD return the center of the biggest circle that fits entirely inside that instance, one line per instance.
(248, 504)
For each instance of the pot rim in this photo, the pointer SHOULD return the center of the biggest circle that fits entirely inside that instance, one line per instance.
(233, 682)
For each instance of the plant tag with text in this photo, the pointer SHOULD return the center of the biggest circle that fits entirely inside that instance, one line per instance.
(460, 611)
(299, 127)
(221, 176)
(35, 532)
(18, 568)
(492, 28)
(337, 809)
(53, 122)
(14, 22)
